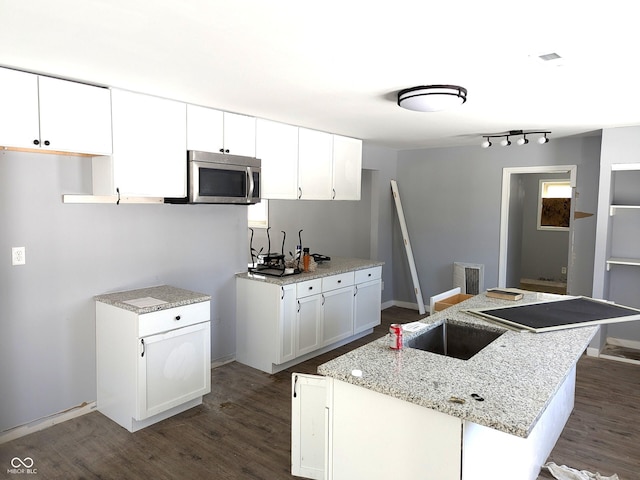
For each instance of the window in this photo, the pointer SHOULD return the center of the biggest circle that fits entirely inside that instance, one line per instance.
(258, 214)
(554, 205)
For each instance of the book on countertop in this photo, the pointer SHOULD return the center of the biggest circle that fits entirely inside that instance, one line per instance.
(504, 294)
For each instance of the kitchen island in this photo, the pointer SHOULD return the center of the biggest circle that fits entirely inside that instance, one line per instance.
(496, 415)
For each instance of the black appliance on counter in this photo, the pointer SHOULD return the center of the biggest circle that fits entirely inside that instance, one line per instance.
(274, 264)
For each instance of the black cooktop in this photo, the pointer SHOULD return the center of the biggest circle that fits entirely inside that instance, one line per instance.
(561, 314)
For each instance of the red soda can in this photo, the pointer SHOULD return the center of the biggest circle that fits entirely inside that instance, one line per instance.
(395, 336)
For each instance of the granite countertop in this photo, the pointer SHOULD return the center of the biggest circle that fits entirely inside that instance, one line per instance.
(173, 296)
(517, 375)
(335, 266)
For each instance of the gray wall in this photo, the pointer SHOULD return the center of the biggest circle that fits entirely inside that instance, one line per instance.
(73, 252)
(321, 222)
(544, 252)
(452, 198)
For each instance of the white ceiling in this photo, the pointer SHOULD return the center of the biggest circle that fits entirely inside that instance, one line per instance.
(337, 65)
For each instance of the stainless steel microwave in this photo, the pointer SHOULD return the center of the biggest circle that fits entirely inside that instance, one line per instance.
(221, 178)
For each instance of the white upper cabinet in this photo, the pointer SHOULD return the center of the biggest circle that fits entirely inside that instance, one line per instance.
(239, 134)
(19, 117)
(347, 168)
(210, 130)
(277, 147)
(204, 129)
(74, 117)
(149, 147)
(315, 159)
(52, 114)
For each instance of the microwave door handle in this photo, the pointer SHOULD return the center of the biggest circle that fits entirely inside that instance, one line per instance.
(250, 184)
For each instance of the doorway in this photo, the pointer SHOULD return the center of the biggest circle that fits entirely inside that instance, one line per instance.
(516, 251)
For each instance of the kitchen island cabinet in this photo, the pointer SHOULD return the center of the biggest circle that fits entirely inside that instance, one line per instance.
(281, 321)
(496, 415)
(153, 354)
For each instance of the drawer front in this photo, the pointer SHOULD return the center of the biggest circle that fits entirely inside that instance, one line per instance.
(165, 320)
(368, 274)
(310, 287)
(337, 281)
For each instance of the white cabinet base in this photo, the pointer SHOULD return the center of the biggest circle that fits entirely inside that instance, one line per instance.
(134, 425)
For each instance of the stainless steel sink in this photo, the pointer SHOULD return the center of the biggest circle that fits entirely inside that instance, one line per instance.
(454, 340)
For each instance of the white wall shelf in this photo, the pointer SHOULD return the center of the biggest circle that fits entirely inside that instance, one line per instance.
(614, 208)
(622, 261)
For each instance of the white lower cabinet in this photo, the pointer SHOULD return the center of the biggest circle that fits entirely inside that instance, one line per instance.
(278, 326)
(309, 324)
(367, 298)
(151, 366)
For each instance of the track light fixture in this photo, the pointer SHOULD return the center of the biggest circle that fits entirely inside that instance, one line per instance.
(505, 142)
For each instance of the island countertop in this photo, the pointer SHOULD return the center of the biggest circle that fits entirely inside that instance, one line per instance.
(516, 376)
(335, 266)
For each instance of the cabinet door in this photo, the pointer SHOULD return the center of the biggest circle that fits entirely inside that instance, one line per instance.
(149, 145)
(366, 306)
(74, 117)
(315, 151)
(239, 134)
(337, 315)
(309, 326)
(347, 168)
(309, 425)
(19, 125)
(287, 331)
(277, 147)
(173, 368)
(204, 129)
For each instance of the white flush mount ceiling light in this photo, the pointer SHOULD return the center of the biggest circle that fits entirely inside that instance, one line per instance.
(432, 98)
(523, 140)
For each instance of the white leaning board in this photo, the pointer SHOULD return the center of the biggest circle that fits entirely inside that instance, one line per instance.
(407, 246)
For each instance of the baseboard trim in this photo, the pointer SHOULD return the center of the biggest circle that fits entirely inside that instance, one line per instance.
(410, 305)
(622, 342)
(218, 362)
(46, 422)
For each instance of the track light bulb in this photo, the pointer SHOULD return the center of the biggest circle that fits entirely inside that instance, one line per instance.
(543, 140)
(522, 141)
(506, 142)
(486, 143)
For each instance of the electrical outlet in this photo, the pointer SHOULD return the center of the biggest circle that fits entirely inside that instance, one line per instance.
(18, 256)
(564, 270)
(382, 285)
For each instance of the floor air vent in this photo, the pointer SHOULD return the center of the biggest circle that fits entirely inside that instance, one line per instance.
(469, 277)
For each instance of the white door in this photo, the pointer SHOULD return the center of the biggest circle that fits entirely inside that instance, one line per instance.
(277, 147)
(366, 306)
(149, 145)
(74, 117)
(347, 168)
(315, 152)
(337, 315)
(309, 326)
(173, 368)
(204, 129)
(287, 331)
(309, 425)
(19, 125)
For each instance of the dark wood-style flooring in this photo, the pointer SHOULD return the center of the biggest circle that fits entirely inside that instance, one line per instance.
(242, 430)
